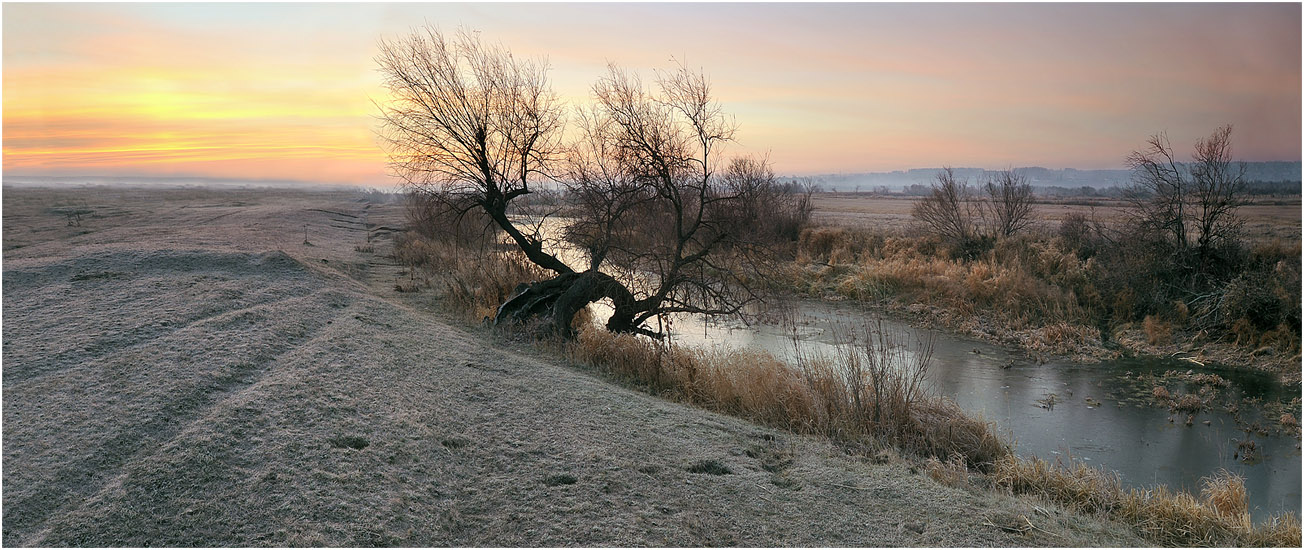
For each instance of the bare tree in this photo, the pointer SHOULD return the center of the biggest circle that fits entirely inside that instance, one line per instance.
(1218, 191)
(1159, 191)
(1175, 200)
(470, 125)
(769, 209)
(475, 127)
(1009, 202)
(656, 215)
(949, 210)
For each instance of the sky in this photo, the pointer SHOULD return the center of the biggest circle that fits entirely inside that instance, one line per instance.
(288, 91)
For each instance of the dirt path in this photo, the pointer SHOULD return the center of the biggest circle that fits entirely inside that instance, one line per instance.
(182, 369)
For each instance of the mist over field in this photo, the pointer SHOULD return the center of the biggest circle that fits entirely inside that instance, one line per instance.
(1274, 171)
(652, 274)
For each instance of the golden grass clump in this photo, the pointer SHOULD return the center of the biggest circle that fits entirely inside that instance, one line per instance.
(1157, 331)
(1021, 285)
(1225, 492)
(1188, 403)
(1083, 487)
(475, 281)
(1219, 517)
(839, 397)
(1059, 338)
(1277, 531)
(952, 473)
(832, 245)
(1288, 421)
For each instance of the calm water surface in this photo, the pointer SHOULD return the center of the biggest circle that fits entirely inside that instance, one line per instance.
(1098, 416)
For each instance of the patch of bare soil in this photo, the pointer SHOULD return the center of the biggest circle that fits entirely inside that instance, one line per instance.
(233, 368)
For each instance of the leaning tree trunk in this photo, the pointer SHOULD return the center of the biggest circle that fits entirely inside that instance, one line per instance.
(557, 300)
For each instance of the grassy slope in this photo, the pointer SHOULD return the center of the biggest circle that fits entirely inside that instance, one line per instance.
(183, 370)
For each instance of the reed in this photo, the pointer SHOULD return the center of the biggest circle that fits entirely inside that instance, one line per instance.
(869, 393)
(1218, 517)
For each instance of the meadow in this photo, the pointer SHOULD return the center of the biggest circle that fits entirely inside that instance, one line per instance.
(1054, 289)
(191, 367)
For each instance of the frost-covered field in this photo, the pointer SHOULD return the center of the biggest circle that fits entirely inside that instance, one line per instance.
(181, 368)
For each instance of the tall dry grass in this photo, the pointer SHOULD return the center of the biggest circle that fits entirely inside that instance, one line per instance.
(474, 282)
(1020, 283)
(1079, 281)
(460, 253)
(870, 392)
(855, 397)
(1218, 517)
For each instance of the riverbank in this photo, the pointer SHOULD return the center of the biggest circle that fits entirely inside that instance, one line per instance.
(1079, 343)
(471, 280)
(190, 367)
(1044, 297)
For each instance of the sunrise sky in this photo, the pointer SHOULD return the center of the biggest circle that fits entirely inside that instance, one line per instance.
(285, 91)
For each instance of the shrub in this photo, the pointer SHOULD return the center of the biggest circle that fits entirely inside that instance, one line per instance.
(474, 281)
(950, 210)
(1075, 232)
(1157, 332)
(1188, 403)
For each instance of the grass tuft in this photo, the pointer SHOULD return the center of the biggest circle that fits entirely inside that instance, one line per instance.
(712, 467)
(1219, 517)
(857, 397)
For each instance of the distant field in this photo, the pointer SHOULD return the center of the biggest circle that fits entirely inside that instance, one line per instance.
(1265, 219)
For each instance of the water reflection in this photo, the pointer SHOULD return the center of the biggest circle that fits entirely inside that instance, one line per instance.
(1095, 417)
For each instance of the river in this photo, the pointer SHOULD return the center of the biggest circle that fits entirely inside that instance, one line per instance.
(1100, 413)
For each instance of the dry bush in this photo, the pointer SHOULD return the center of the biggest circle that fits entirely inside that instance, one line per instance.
(1188, 403)
(1245, 333)
(1180, 313)
(432, 218)
(826, 244)
(1023, 285)
(941, 428)
(1284, 337)
(1160, 393)
(1157, 331)
(1078, 235)
(951, 210)
(1162, 516)
(459, 250)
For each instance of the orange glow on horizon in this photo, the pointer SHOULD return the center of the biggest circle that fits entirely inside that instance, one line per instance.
(285, 91)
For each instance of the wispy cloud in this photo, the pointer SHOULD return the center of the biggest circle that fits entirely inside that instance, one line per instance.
(285, 90)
